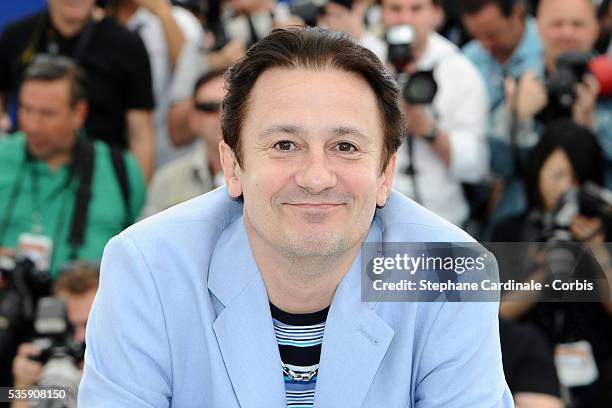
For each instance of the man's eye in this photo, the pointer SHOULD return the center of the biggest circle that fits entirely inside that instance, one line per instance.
(346, 147)
(284, 145)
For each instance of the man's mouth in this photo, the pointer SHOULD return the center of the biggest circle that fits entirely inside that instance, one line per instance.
(315, 206)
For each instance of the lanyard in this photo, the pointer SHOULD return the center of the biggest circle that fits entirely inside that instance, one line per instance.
(12, 199)
(36, 197)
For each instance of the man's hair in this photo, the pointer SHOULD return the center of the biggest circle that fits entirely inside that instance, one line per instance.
(206, 78)
(314, 49)
(77, 277)
(54, 68)
(475, 6)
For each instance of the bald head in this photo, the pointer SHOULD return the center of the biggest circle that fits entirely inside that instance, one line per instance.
(566, 25)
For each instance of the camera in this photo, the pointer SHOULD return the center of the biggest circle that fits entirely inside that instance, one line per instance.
(24, 285)
(60, 352)
(571, 67)
(590, 200)
(420, 88)
(310, 10)
(399, 40)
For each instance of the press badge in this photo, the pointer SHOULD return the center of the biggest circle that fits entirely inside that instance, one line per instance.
(38, 248)
(575, 364)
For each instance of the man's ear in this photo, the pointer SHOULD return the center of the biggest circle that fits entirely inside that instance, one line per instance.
(231, 169)
(80, 113)
(386, 182)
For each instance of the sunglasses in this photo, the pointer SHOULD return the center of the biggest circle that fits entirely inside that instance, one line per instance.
(208, 106)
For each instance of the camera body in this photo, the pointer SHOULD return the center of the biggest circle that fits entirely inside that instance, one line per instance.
(60, 353)
(420, 88)
(562, 252)
(54, 332)
(570, 68)
(24, 285)
(590, 200)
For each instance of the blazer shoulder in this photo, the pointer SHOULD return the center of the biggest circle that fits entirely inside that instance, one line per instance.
(201, 218)
(403, 220)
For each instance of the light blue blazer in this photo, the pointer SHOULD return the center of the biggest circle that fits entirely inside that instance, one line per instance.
(182, 319)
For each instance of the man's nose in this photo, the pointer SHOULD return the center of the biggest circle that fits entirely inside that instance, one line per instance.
(316, 174)
(568, 32)
(407, 17)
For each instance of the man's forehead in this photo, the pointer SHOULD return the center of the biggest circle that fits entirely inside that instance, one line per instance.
(58, 88)
(300, 132)
(344, 101)
(574, 8)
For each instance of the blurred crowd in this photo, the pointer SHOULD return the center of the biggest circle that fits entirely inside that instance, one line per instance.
(110, 112)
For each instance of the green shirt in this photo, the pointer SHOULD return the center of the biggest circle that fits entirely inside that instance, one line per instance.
(37, 188)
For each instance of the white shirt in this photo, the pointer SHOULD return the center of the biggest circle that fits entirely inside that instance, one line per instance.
(152, 33)
(460, 110)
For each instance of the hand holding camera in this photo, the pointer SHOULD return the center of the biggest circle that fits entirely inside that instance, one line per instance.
(586, 98)
(418, 120)
(571, 91)
(587, 229)
(27, 372)
(526, 97)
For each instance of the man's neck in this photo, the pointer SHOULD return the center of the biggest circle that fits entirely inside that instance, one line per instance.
(125, 11)
(67, 28)
(300, 285)
(503, 59)
(57, 161)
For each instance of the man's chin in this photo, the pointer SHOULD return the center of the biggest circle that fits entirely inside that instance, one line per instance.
(313, 245)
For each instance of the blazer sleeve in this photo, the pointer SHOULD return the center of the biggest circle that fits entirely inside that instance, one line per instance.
(127, 359)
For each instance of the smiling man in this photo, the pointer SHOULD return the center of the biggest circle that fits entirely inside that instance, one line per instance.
(250, 296)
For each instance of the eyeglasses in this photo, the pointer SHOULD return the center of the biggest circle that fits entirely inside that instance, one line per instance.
(208, 106)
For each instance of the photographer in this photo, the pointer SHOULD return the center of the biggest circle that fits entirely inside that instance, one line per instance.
(446, 143)
(62, 196)
(76, 286)
(115, 60)
(549, 93)
(567, 157)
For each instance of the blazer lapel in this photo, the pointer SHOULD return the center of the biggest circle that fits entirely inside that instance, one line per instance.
(244, 328)
(355, 342)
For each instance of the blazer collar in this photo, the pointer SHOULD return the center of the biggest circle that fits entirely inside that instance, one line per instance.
(355, 341)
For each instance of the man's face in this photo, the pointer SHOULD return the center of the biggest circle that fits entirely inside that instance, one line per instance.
(421, 14)
(312, 144)
(78, 307)
(75, 11)
(47, 118)
(205, 121)
(567, 25)
(498, 34)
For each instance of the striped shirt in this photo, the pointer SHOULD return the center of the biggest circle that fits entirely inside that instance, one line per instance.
(299, 338)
